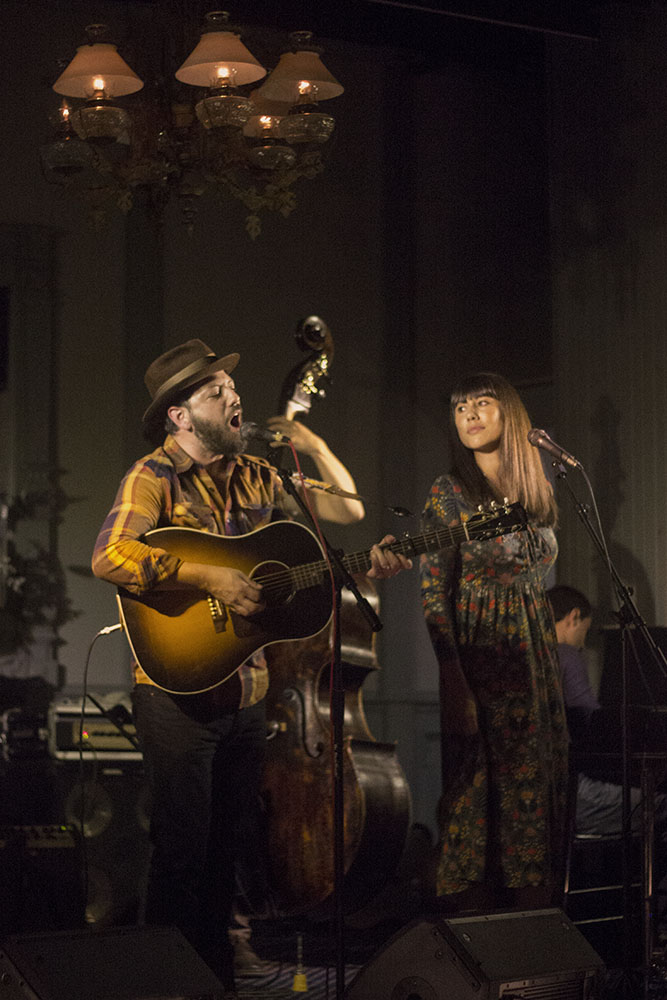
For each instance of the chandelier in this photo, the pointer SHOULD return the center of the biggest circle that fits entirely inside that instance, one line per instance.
(211, 127)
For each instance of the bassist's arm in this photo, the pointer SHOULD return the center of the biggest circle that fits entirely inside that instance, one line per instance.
(340, 510)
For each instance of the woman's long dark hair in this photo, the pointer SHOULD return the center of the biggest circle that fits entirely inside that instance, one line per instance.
(521, 474)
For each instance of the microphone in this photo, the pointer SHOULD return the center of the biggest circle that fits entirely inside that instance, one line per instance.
(251, 430)
(540, 439)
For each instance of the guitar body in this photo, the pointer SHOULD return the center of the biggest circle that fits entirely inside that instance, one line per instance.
(188, 643)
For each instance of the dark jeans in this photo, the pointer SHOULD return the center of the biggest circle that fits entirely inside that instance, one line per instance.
(203, 769)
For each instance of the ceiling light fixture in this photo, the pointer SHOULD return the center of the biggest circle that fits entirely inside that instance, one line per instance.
(219, 125)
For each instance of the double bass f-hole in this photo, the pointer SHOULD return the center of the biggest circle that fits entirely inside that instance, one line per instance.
(292, 696)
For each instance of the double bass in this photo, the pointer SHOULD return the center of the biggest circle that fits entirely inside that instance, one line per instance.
(298, 778)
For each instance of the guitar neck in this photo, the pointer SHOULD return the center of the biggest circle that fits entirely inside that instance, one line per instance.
(432, 540)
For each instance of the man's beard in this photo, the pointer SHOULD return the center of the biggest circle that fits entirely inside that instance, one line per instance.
(217, 440)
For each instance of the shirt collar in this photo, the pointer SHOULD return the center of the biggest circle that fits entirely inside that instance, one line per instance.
(182, 461)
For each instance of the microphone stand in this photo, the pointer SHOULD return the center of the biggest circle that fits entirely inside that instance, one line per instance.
(627, 616)
(342, 578)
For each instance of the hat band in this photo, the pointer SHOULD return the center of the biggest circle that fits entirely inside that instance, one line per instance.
(185, 373)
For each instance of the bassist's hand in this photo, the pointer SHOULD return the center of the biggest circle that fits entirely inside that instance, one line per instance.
(302, 437)
(236, 590)
(384, 562)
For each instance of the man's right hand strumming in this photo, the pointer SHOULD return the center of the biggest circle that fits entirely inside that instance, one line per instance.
(236, 590)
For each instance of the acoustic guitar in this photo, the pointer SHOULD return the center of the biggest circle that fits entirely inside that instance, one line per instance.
(189, 642)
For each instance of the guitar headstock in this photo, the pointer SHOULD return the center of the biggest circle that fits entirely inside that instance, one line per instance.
(498, 519)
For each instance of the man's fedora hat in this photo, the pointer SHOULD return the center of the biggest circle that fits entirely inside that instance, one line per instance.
(178, 369)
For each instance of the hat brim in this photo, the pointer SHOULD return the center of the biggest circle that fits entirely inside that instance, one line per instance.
(163, 400)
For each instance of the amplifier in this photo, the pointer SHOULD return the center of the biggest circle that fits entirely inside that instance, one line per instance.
(39, 836)
(41, 878)
(70, 737)
(23, 735)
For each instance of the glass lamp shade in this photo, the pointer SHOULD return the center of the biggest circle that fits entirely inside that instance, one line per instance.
(102, 123)
(292, 70)
(66, 154)
(220, 54)
(224, 111)
(64, 158)
(310, 126)
(93, 64)
(271, 154)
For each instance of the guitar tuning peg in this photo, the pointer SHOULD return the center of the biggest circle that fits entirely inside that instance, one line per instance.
(480, 508)
(494, 505)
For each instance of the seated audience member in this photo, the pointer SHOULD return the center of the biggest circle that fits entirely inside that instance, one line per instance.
(599, 803)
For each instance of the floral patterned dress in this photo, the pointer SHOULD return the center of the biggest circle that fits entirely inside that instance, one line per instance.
(502, 809)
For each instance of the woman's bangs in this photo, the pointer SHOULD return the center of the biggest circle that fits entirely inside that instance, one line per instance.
(473, 387)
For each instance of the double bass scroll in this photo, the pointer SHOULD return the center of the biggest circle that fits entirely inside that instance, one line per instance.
(305, 381)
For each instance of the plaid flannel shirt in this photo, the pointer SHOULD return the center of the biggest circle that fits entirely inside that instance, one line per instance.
(168, 488)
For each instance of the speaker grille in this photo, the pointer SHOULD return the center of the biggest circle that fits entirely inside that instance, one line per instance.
(573, 989)
(108, 802)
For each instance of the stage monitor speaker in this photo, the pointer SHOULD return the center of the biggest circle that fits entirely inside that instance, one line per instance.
(122, 963)
(528, 954)
(108, 801)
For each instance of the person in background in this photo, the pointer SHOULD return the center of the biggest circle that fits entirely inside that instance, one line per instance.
(503, 730)
(599, 804)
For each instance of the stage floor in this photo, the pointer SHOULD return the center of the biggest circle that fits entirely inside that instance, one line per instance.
(276, 945)
(278, 982)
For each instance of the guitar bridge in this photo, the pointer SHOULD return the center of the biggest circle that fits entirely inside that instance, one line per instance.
(219, 614)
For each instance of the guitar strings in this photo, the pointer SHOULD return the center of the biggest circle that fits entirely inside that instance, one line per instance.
(310, 574)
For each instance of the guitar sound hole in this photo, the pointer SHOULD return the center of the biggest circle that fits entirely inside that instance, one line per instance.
(276, 583)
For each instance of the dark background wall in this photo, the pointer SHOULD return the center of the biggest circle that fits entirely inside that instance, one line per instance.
(493, 198)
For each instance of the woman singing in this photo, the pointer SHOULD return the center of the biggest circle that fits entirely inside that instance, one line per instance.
(504, 737)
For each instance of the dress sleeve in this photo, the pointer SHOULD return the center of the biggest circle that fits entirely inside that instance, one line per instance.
(439, 578)
(439, 569)
(119, 556)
